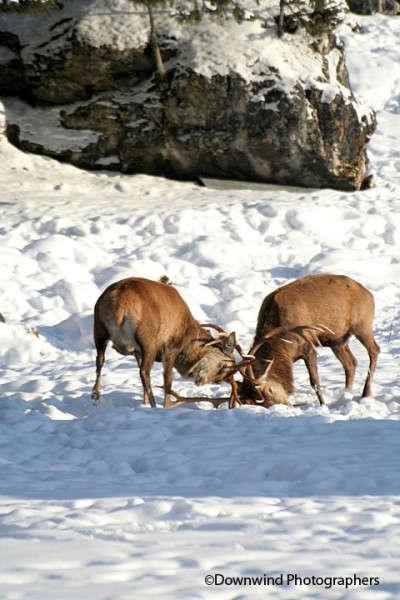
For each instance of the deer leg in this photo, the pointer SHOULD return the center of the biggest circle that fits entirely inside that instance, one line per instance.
(168, 364)
(310, 360)
(144, 368)
(138, 357)
(349, 363)
(101, 344)
(234, 397)
(368, 341)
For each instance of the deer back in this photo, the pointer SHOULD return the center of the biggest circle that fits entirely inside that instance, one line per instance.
(335, 302)
(154, 312)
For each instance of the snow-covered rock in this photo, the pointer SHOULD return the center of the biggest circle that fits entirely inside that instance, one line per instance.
(237, 101)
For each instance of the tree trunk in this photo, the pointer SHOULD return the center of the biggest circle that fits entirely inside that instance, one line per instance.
(154, 43)
(281, 17)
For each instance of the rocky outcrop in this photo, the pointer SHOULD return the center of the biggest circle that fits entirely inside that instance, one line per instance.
(284, 113)
(62, 67)
(368, 7)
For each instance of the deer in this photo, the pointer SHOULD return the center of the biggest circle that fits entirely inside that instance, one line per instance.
(316, 310)
(151, 321)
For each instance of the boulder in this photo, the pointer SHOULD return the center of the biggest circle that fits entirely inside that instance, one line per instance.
(236, 102)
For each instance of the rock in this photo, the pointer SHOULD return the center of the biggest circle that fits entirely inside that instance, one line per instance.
(368, 7)
(261, 109)
(12, 71)
(60, 65)
(2, 319)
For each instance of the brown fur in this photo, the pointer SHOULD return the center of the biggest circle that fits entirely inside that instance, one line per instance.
(273, 366)
(337, 306)
(150, 320)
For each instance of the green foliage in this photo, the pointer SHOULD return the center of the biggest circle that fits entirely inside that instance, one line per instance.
(316, 16)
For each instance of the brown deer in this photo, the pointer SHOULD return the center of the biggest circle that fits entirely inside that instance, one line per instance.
(150, 320)
(316, 310)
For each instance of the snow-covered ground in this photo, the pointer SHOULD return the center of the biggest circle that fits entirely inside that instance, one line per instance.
(124, 502)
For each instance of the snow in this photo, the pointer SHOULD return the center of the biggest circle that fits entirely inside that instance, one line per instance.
(107, 161)
(214, 46)
(42, 126)
(208, 49)
(121, 501)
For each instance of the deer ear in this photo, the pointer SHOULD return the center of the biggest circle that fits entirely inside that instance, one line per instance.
(229, 343)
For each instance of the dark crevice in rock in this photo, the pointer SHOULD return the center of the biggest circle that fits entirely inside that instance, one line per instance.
(59, 23)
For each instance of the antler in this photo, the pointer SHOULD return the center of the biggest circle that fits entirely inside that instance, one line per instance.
(256, 381)
(190, 400)
(221, 330)
(312, 331)
(212, 326)
(275, 331)
(247, 359)
(233, 398)
(248, 373)
(299, 329)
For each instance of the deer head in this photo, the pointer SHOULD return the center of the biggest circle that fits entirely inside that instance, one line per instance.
(217, 362)
(269, 379)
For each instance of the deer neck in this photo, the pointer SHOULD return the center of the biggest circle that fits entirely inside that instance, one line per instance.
(192, 350)
(281, 372)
